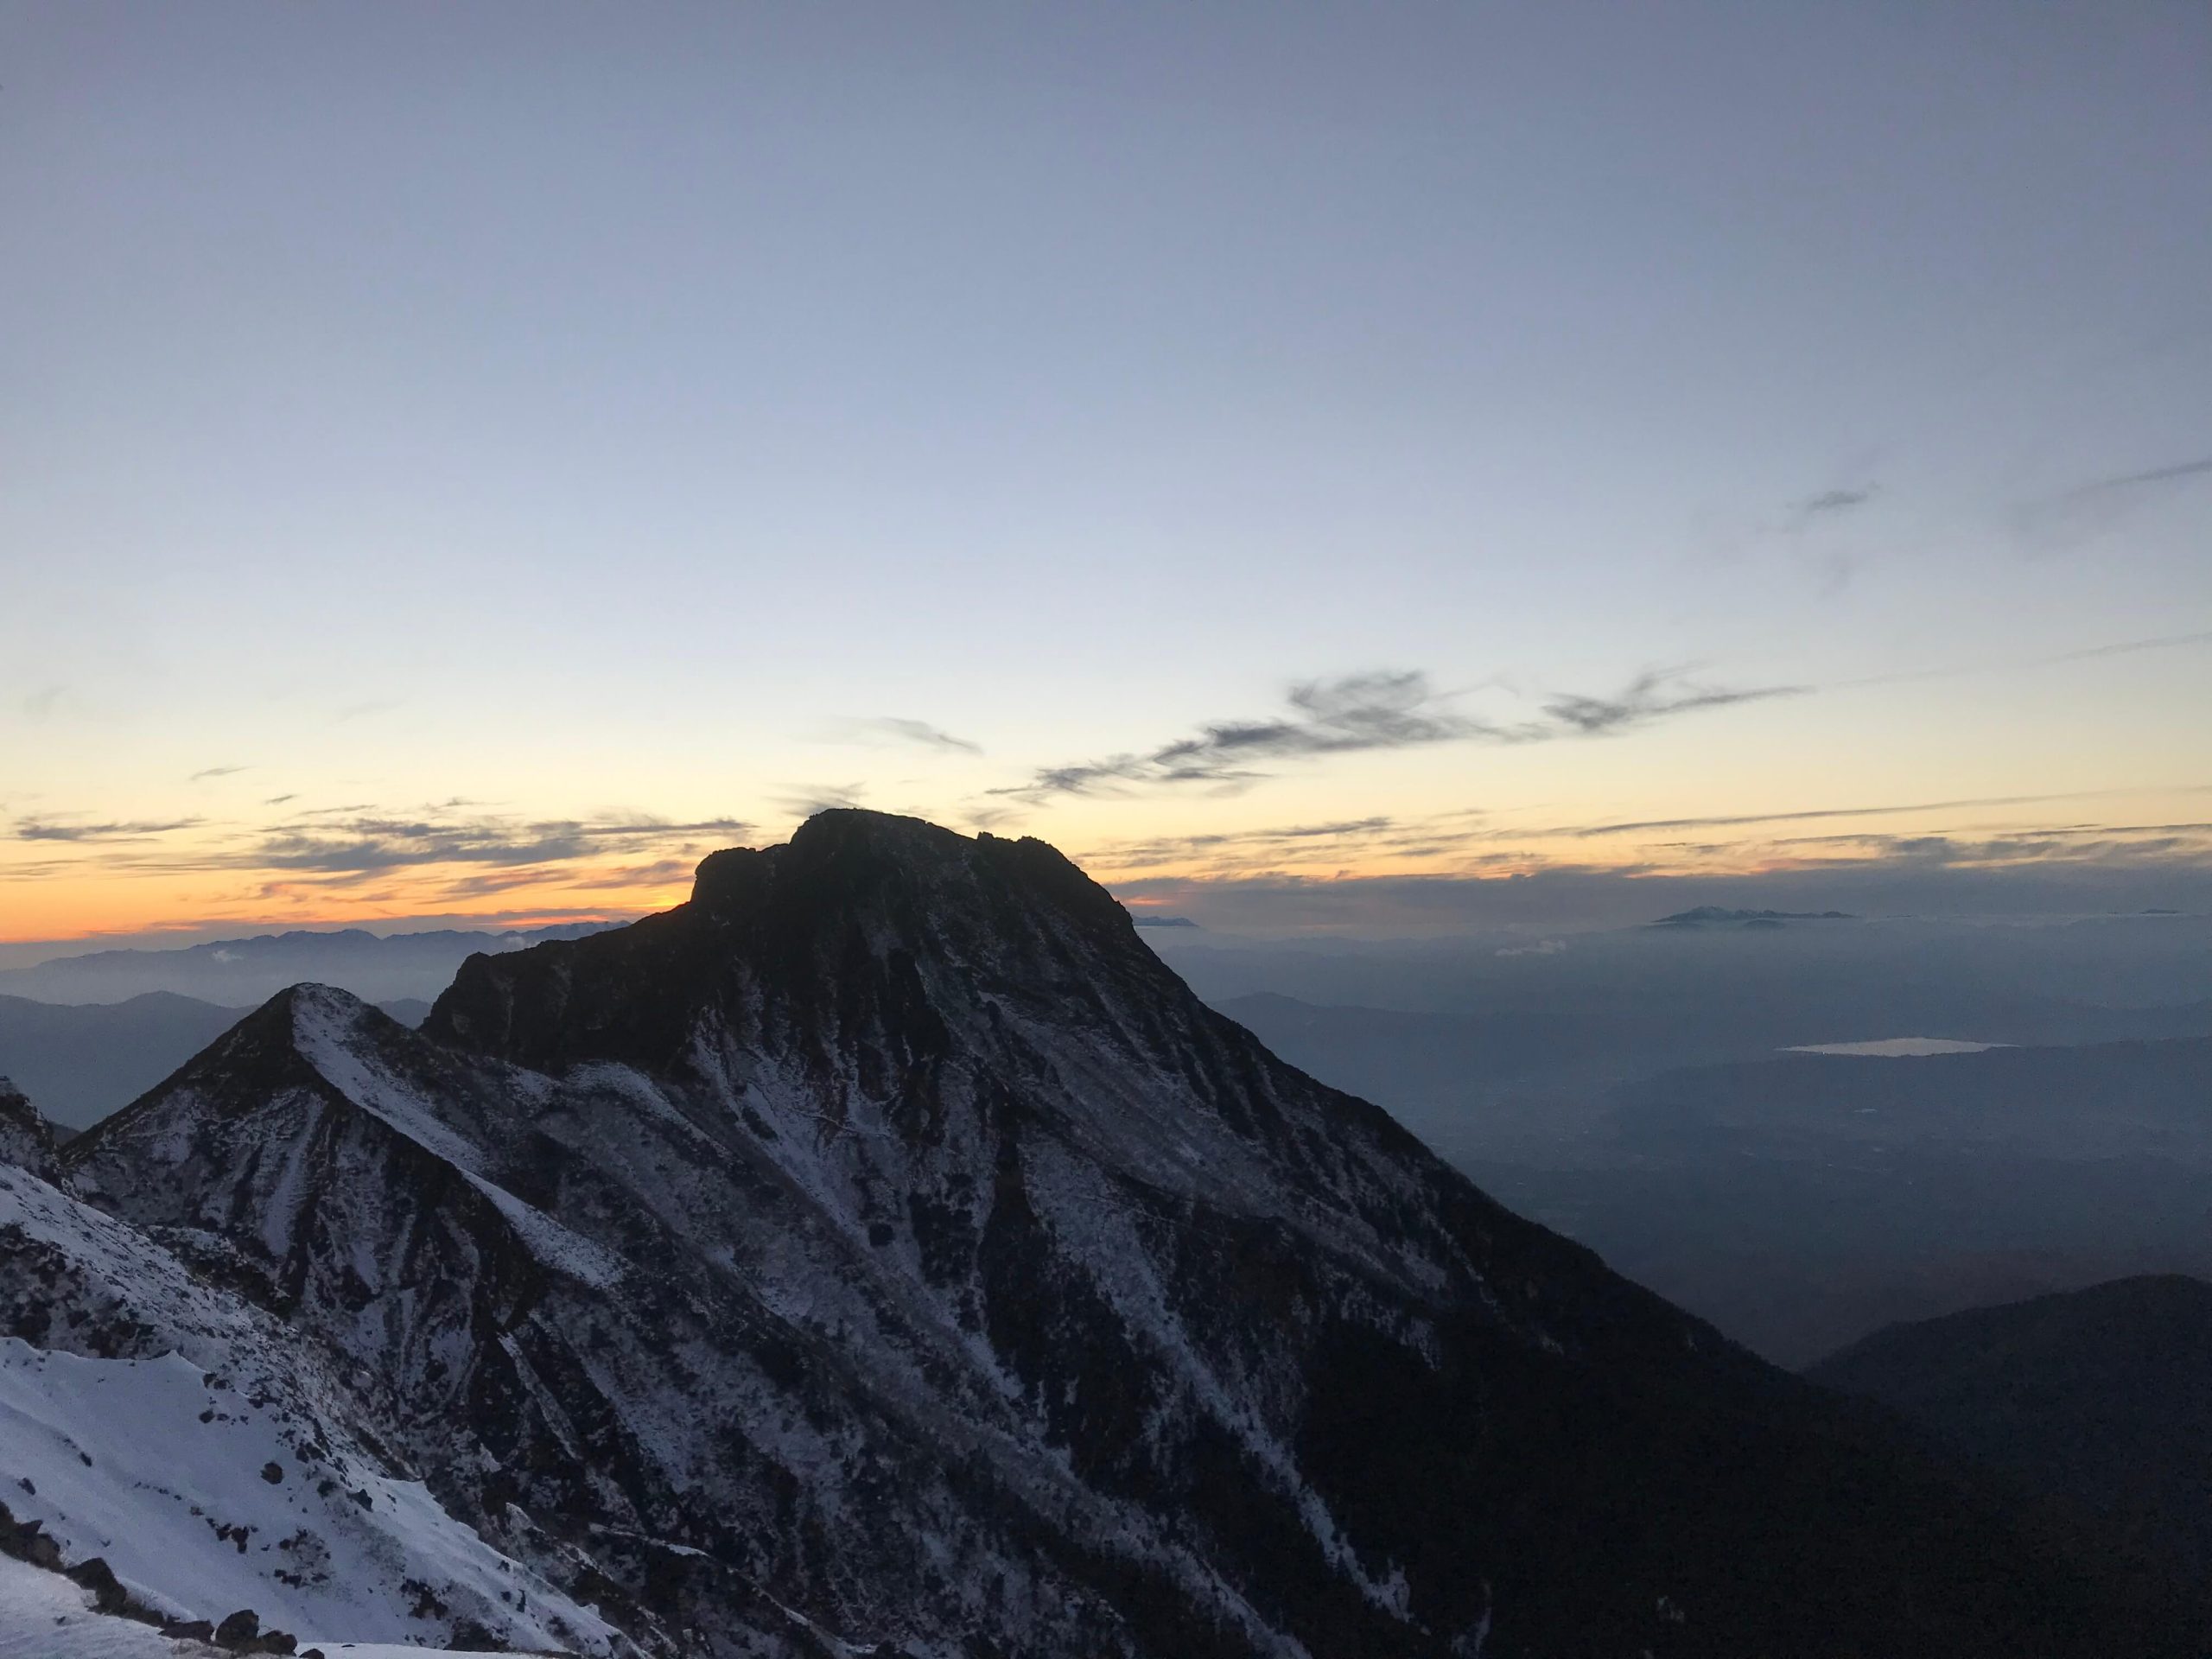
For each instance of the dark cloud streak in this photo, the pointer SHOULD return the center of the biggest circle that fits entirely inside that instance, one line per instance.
(2076, 516)
(2135, 480)
(40, 830)
(1634, 826)
(918, 731)
(1829, 503)
(365, 844)
(1648, 698)
(1364, 713)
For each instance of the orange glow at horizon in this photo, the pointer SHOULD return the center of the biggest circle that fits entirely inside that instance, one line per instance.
(93, 905)
(89, 893)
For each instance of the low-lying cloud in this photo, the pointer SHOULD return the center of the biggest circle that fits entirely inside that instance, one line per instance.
(2087, 872)
(376, 858)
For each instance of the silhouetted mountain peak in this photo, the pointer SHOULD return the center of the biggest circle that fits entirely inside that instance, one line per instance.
(850, 861)
(863, 923)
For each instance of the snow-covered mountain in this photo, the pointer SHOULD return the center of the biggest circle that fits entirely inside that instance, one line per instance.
(152, 1419)
(885, 1252)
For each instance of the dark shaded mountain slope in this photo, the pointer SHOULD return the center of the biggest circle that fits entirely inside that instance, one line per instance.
(886, 1248)
(2102, 1396)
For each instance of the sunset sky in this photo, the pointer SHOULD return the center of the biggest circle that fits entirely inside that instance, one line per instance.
(1346, 467)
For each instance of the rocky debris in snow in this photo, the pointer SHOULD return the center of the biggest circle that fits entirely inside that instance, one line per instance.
(188, 1395)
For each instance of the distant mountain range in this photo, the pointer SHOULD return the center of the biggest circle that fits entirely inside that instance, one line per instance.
(885, 1253)
(82, 1061)
(1715, 916)
(1802, 1202)
(242, 973)
(1445, 1071)
(2101, 1397)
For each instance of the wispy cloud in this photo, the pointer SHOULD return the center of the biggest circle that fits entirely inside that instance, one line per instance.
(41, 703)
(988, 816)
(2127, 647)
(1638, 826)
(206, 772)
(2022, 846)
(1345, 837)
(918, 731)
(1650, 697)
(1390, 710)
(385, 858)
(2077, 515)
(360, 845)
(660, 874)
(1829, 504)
(2049, 659)
(804, 801)
(43, 830)
(1364, 713)
(2198, 468)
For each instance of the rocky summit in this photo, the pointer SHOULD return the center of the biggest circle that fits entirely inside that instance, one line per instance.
(885, 1253)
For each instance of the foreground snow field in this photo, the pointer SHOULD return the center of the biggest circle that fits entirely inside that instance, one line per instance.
(44, 1616)
(209, 1462)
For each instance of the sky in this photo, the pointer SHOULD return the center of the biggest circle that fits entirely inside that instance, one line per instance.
(1319, 465)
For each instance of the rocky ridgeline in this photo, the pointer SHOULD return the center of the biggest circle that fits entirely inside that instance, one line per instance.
(883, 1251)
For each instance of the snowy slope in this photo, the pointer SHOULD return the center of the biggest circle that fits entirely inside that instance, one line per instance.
(45, 1615)
(196, 1445)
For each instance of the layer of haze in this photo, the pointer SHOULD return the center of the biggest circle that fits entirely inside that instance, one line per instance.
(1311, 462)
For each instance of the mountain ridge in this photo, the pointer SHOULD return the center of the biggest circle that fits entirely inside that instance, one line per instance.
(2095, 1395)
(886, 1245)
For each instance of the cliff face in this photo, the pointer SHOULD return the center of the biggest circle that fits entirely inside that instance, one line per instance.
(26, 1139)
(886, 1248)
